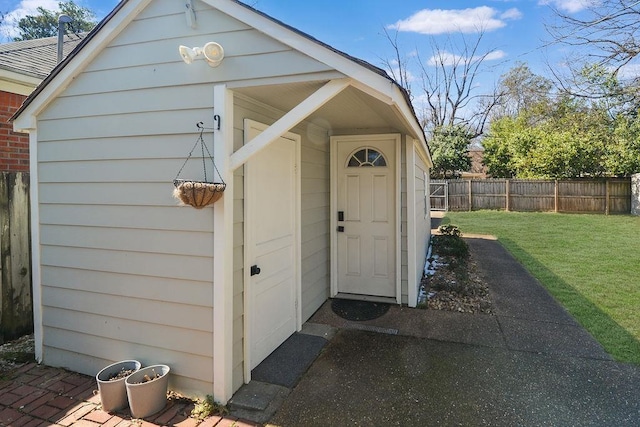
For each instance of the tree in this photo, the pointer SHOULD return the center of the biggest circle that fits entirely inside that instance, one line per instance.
(398, 66)
(450, 151)
(448, 83)
(604, 41)
(45, 23)
(499, 146)
(572, 138)
(623, 154)
(607, 34)
(521, 90)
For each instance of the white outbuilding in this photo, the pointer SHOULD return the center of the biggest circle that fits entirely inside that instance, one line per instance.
(326, 170)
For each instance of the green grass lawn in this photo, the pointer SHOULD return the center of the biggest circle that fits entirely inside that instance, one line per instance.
(589, 263)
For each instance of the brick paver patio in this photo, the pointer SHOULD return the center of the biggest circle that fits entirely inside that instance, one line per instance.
(35, 395)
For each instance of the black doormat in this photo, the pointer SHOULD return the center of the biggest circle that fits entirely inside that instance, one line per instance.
(286, 365)
(358, 310)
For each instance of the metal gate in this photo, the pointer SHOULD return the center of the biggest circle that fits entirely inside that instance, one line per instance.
(439, 195)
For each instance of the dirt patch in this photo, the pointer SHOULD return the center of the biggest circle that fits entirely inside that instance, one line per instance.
(454, 283)
(16, 353)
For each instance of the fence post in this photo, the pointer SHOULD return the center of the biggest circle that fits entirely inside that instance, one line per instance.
(507, 191)
(635, 194)
(607, 194)
(470, 197)
(16, 312)
(555, 197)
(446, 196)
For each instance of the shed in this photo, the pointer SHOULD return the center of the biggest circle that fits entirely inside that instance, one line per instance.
(326, 170)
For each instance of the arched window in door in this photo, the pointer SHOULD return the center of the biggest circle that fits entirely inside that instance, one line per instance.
(366, 157)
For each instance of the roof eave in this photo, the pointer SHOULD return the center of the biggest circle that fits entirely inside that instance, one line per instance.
(375, 78)
(371, 78)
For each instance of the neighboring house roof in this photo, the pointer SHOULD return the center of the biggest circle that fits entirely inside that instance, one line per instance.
(24, 64)
(36, 57)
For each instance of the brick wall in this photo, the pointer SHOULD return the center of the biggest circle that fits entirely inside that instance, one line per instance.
(14, 146)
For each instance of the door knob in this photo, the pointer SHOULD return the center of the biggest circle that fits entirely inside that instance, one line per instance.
(255, 270)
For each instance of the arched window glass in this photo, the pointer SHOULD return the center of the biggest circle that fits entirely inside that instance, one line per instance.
(366, 157)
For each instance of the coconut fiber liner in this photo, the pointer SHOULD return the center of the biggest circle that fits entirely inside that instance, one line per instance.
(197, 194)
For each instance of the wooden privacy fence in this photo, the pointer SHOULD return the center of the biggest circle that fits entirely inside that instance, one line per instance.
(605, 196)
(16, 309)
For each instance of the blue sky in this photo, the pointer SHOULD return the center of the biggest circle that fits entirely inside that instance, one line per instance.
(513, 29)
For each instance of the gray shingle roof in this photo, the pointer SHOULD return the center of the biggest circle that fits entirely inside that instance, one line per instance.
(36, 58)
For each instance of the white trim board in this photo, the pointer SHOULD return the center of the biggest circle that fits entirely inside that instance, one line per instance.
(223, 252)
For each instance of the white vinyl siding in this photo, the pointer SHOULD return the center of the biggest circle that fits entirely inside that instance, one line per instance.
(418, 172)
(422, 213)
(126, 273)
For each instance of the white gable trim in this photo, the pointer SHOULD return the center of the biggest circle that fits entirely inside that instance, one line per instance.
(368, 80)
(303, 44)
(364, 79)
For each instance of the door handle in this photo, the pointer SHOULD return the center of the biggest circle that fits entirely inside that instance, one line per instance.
(340, 229)
(255, 270)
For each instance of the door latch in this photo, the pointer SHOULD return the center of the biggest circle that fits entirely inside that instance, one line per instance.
(255, 270)
(340, 229)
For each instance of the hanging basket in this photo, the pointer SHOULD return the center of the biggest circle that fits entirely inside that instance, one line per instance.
(197, 194)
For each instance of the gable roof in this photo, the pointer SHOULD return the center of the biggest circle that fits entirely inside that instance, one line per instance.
(38, 57)
(255, 18)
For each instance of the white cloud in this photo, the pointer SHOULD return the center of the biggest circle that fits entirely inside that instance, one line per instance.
(512, 13)
(24, 8)
(629, 71)
(440, 21)
(394, 70)
(570, 6)
(495, 55)
(450, 59)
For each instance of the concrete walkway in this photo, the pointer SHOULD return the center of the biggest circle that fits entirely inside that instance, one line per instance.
(531, 364)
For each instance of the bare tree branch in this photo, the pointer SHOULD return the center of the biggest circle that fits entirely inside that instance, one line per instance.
(398, 67)
(609, 34)
(449, 85)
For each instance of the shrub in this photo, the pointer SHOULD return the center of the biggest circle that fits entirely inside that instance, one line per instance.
(449, 230)
(450, 242)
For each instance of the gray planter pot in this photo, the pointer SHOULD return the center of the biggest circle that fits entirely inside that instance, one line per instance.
(149, 397)
(113, 394)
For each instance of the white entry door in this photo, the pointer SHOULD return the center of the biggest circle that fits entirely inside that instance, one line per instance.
(366, 217)
(272, 224)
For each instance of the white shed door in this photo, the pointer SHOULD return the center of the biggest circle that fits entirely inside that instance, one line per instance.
(272, 235)
(367, 213)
